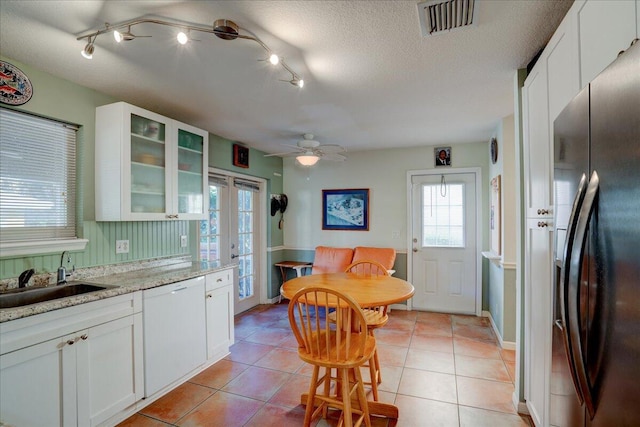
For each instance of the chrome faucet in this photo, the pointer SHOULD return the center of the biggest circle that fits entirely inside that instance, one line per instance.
(62, 271)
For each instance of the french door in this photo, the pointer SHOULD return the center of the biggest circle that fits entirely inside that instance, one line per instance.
(444, 241)
(232, 234)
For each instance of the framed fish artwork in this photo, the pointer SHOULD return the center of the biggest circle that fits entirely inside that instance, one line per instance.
(15, 87)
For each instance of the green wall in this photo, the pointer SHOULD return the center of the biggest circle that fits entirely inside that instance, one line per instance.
(63, 100)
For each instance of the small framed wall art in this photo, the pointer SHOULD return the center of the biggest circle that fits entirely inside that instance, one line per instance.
(240, 156)
(442, 156)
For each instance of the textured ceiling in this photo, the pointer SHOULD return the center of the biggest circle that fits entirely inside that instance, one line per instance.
(371, 79)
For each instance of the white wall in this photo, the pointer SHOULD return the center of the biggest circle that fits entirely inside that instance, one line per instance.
(384, 173)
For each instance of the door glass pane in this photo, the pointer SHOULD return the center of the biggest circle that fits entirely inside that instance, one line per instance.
(443, 215)
(245, 243)
(147, 165)
(210, 230)
(190, 147)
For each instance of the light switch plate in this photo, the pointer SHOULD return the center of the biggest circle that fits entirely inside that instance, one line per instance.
(122, 246)
(183, 241)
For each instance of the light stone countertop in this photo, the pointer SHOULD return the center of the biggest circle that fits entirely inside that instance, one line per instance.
(130, 280)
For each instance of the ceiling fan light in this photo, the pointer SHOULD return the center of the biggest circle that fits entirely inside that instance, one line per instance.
(307, 159)
(182, 38)
(87, 52)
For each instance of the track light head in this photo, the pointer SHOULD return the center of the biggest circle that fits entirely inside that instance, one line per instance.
(274, 59)
(297, 82)
(87, 52)
(182, 38)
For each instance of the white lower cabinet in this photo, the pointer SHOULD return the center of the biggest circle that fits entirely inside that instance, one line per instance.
(109, 376)
(81, 378)
(219, 305)
(538, 317)
(30, 378)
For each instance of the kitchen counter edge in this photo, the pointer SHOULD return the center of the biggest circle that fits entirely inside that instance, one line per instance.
(125, 283)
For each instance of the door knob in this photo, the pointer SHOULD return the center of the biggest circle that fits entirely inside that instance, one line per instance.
(234, 256)
(415, 249)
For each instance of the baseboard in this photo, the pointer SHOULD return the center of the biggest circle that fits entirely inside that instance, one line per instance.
(521, 407)
(507, 345)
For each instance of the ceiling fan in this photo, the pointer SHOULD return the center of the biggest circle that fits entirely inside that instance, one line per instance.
(308, 151)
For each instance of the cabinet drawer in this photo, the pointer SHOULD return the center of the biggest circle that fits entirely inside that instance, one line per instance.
(20, 333)
(219, 279)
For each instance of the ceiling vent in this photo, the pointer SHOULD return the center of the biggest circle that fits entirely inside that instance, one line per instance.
(437, 17)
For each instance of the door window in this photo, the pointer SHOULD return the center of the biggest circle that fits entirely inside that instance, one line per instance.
(443, 215)
(245, 243)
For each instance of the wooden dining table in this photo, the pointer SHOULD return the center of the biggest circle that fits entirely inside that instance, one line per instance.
(367, 291)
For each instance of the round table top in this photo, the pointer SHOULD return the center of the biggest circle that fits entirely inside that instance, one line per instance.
(367, 291)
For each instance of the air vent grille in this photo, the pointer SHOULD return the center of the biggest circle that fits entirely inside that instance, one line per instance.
(437, 17)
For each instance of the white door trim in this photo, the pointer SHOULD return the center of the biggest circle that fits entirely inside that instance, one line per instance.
(262, 246)
(479, 221)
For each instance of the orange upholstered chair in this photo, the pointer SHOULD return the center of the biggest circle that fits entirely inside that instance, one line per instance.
(385, 256)
(331, 260)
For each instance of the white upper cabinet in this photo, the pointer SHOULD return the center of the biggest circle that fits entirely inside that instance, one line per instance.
(537, 168)
(606, 27)
(552, 83)
(148, 167)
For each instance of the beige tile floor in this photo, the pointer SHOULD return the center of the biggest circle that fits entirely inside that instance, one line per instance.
(439, 369)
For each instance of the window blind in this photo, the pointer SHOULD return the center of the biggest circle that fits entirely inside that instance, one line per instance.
(218, 180)
(37, 178)
(246, 185)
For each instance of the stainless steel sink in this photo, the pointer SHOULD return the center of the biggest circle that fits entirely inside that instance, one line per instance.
(32, 295)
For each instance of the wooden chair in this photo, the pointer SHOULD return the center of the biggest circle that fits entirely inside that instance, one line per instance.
(343, 345)
(376, 317)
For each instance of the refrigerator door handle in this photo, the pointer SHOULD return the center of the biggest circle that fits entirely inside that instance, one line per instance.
(573, 291)
(563, 322)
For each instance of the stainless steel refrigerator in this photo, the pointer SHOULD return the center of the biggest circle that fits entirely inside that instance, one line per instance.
(595, 374)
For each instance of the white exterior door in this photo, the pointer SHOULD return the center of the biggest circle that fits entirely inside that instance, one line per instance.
(232, 234)
(444, 261)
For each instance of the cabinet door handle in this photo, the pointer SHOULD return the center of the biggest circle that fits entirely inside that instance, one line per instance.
(172, 216)
(209, 296)
(219, 279)
(84, 337)
(542, 224)
(178, 290)
(543, 211)
(71, 342)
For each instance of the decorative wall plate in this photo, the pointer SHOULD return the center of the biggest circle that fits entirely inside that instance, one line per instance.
(494, 150)
(15, 87)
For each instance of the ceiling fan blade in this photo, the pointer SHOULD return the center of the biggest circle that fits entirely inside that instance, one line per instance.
(333, 157)
(276, 154)
(331, 148)
(286, 154)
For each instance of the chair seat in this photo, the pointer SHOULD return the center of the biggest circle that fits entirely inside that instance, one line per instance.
(318, 355)
(375, 318)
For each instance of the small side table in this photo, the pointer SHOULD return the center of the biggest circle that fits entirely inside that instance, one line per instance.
(298, 266)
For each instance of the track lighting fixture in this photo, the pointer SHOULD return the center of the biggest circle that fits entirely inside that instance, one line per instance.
(222, 28)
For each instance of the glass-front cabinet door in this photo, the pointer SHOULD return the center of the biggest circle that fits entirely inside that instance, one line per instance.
(148, 160)
(191, 181)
